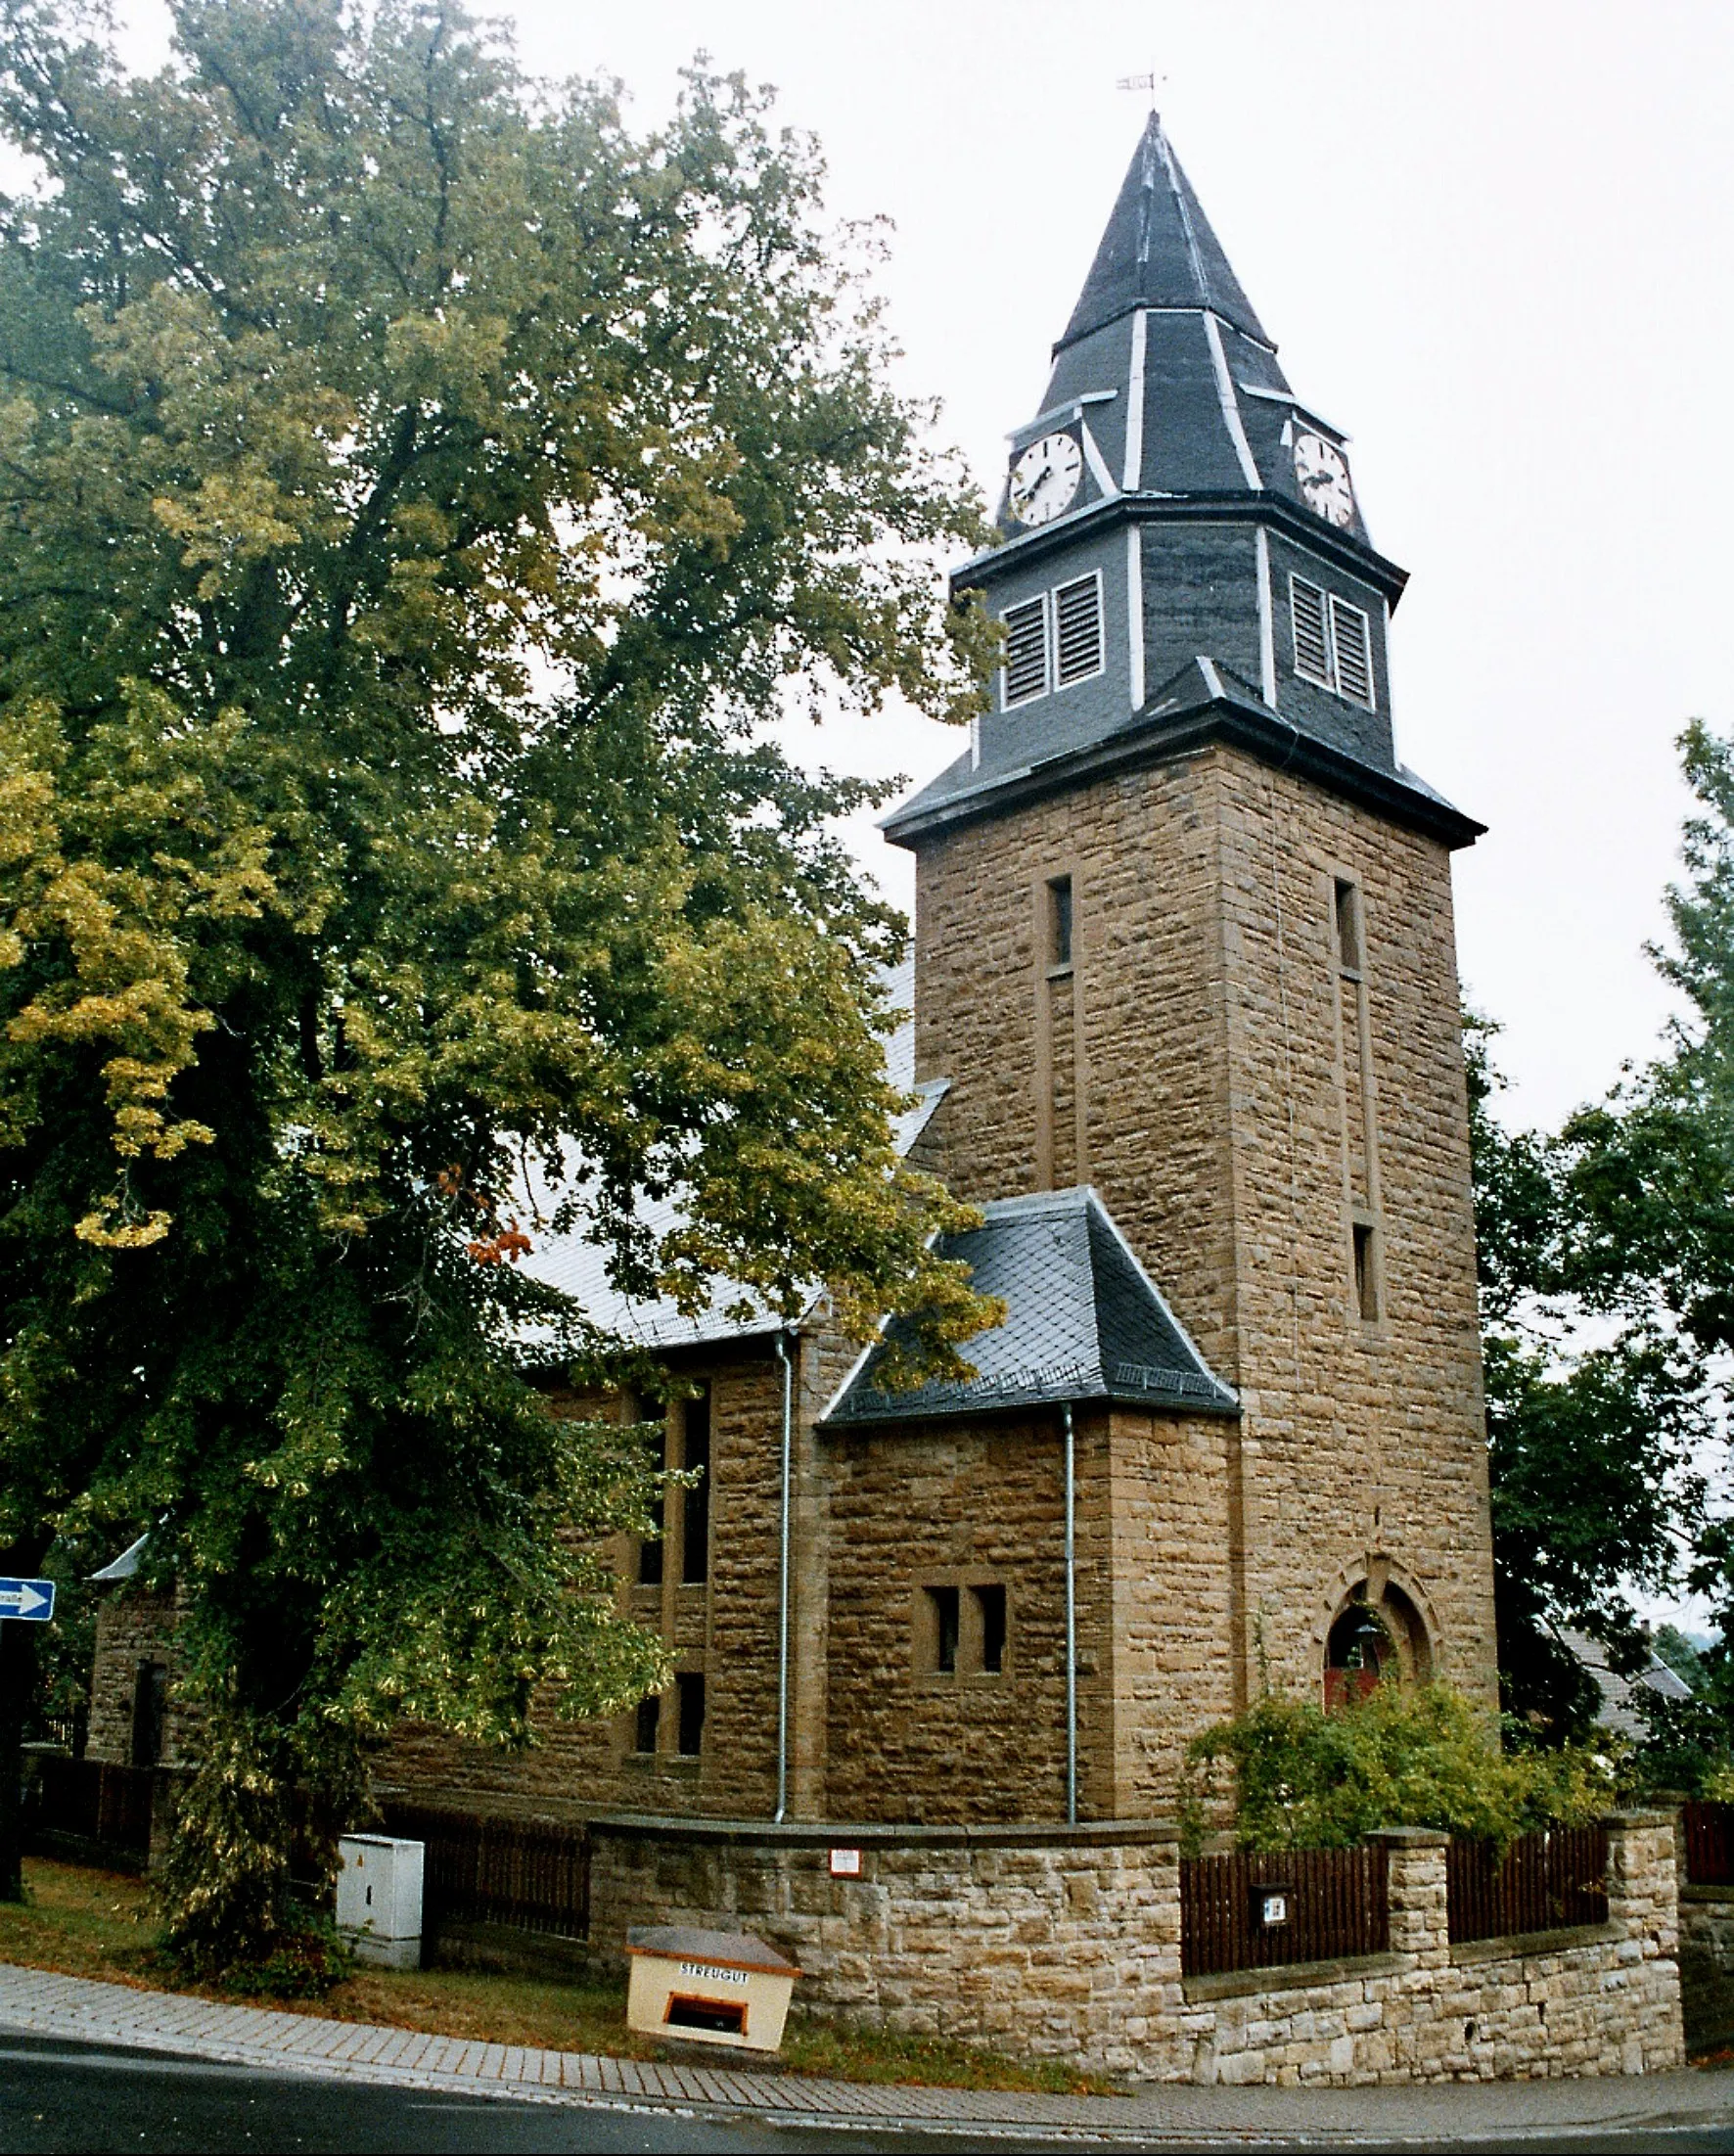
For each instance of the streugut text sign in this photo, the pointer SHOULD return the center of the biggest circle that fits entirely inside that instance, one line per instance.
(30, 1599)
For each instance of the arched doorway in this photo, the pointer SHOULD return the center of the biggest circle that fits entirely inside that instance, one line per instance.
(1374, 1637)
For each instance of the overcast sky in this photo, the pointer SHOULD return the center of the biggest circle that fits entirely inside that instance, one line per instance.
(1492, 243)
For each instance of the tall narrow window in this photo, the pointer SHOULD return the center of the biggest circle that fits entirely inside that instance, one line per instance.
(650, 1550)
(695, 1555)
(1348, 925)
(945, 1614)
(1060, 921)
(1027, 651)
(992, 1601)
(645, 1723)
(689, 1695)
(1312, 638)
(1077, 629)
(1366, 1278)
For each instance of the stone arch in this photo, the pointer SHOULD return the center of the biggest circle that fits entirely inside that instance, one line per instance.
(1376, 1624)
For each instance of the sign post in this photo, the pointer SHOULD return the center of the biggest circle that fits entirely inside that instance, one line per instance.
(32, 1600)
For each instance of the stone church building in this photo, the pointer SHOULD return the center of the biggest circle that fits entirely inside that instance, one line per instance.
(1185, 1028)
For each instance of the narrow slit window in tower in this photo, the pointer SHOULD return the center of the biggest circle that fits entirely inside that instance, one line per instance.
(645, 1722)
(650, 1550)
(1366, 1279)
(1060, 921)
(1348, 925)
(695, 1555)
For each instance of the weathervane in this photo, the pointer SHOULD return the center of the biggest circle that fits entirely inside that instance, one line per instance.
(1142, 83)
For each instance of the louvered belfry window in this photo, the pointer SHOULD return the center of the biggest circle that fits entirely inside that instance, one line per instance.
(1027, 651)
(1333, 642)
(1077, 629)
(1352, 642)
(1312, 638)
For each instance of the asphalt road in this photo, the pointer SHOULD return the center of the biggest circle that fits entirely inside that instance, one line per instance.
(57, 2095)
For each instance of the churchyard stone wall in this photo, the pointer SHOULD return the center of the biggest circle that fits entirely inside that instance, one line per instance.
(1066, 1943)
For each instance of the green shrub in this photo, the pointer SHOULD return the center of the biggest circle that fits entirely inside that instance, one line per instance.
(1296, 1778)
(306, 1962)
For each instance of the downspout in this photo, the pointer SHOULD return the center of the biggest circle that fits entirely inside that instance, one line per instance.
(783, 1583)
(1070, 1620)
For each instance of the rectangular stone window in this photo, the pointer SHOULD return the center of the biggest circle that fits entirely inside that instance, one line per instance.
(695, 1549)
(1060, 921)
(645, 1722)
(689, 1697)
(961, 1630)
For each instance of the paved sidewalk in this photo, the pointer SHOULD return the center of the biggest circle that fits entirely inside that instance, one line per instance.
(44, 2004)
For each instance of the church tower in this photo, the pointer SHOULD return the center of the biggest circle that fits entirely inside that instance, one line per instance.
(1184, 935)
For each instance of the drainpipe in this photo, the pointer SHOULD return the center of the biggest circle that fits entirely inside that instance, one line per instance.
(1071, 1621)
(783, 1357)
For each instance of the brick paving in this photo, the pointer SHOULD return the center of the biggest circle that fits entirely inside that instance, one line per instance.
(42, 2003)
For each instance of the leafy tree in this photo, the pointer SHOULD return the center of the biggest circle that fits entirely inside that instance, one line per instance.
(417, 493)
(1592, 1451)
(1294, 1775)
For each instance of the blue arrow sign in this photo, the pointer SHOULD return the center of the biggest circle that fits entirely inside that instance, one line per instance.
(30, 1599)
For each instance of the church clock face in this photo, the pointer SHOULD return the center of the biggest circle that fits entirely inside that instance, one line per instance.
(1322, 477)
(1045, 479)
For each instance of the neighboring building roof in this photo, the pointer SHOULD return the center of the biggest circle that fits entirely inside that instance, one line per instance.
(579, 1268)
(1616, 1711)
(126, 1565)
(1158, 251)
(1205, 701)
(1084, 1322)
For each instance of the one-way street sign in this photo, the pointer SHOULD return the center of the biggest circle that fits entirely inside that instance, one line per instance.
(30, 1599)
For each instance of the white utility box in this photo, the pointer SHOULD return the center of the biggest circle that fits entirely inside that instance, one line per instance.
(379, 1900)
(711, 1987)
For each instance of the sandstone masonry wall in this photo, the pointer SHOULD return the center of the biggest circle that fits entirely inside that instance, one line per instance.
(1223, 1114)
(1067, 1944)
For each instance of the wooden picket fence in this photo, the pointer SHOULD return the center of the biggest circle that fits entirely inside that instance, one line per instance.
(1707, 1844)
(1544, 1882)
(478, 1868)
(1337, 1905)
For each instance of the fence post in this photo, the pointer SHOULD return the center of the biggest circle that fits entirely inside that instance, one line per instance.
(1419, 1924)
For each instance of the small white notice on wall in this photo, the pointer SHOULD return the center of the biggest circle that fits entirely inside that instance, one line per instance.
(845, 1864)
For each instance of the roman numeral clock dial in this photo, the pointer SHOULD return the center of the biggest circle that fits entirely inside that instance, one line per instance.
(1045, 479)
(1322, 476)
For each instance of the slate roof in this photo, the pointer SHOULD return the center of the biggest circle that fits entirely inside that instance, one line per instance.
(1616, 1711)
(1084, 1322)
(1158, 251)
(1205, 701)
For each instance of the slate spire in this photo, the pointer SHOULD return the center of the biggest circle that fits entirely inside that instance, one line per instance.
(1158, 251)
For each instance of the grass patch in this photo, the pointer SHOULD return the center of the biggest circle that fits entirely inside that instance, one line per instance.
(82, 1922)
